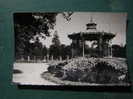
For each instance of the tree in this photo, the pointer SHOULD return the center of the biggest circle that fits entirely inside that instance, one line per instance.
(119, 51)
(28, 25)
(44, 52)
(56, 40)
(55, 47)
(38, 50)
(63, 51)
(66, 50)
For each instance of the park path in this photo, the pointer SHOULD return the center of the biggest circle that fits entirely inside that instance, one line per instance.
(31, 74)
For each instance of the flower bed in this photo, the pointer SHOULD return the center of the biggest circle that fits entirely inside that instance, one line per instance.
(90, 70)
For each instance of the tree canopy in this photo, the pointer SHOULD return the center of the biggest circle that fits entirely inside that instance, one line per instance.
(32, 26)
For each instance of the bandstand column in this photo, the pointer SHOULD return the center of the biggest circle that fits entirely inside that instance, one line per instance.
(83, 52)
(108, 48)
(100, 46)
(72, 48)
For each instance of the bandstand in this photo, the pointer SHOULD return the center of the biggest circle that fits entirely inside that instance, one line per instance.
(101, 40)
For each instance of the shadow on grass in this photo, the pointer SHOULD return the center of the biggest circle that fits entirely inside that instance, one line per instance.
(16, 71)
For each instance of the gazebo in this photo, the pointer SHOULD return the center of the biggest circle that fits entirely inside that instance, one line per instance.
(102, 40)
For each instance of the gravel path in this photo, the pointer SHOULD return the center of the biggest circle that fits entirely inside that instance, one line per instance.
(31, 74)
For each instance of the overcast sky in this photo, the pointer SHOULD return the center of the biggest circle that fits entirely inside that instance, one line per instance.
(108, 22)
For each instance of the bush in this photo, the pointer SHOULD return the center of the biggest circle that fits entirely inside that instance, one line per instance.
(73, 75)
(105, 73)
(56, 68)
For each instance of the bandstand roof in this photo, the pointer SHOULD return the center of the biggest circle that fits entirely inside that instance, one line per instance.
(91, 35)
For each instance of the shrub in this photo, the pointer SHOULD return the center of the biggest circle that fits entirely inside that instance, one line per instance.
(105, 73)
(56, 68)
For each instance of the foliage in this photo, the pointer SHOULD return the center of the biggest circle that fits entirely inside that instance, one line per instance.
(56, 68)
(54, 50)
(31, 26)
(119, 51)
(55, 40)
(58, 50)
(91, 70)
(80, 63)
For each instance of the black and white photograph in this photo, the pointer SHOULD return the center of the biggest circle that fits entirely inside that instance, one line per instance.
(70, 48)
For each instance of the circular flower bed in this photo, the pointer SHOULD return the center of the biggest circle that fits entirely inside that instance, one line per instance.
(90, 70)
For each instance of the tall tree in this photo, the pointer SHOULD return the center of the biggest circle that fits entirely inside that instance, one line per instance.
(55, 47)
(55, 40)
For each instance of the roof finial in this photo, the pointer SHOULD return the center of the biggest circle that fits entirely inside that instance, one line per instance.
(91, 19)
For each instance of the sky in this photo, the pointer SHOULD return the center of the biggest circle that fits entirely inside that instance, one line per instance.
(108, 22)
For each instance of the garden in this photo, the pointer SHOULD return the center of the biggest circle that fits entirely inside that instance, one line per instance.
(88, 71)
